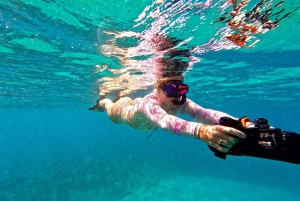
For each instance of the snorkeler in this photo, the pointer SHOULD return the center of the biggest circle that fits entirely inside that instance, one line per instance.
(223, 133)
(160, 108)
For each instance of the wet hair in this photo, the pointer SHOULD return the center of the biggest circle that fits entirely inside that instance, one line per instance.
(160, 81)
(165, 42)
(175, 61)
(173, 66)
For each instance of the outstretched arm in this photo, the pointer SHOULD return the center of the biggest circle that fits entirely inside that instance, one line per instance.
(203, 115)
(220, 137)
(153, 111)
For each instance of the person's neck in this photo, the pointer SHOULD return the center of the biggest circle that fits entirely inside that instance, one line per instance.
(165, 106)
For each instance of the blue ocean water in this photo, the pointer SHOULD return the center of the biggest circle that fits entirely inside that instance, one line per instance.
(53, 148)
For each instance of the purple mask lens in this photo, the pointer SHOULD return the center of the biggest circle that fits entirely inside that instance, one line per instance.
(171, 88)
(174, 90)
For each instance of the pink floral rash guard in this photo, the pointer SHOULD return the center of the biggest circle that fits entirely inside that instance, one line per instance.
(146, 114)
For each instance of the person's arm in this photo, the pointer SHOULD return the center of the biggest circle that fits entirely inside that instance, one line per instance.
(213, 135)
(203, 115)
(220, 137)
(169, 123)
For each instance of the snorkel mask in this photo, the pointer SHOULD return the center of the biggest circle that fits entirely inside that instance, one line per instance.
(175, 89)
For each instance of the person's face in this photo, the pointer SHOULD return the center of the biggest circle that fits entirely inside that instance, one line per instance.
(165, 100)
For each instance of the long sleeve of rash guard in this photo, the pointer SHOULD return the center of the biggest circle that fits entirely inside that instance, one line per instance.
(206, 116)
(169, 123)
(151, 108)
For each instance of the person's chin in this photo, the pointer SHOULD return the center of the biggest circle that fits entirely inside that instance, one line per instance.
(171, 104)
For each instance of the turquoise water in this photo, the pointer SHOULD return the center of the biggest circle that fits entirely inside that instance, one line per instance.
(51, 69)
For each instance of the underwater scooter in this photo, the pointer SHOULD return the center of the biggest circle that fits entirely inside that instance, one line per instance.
(262, 141)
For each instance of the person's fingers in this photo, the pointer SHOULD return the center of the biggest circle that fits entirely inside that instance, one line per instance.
(232, 131)
(225, 143)
(220, 148)
(230, 138)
